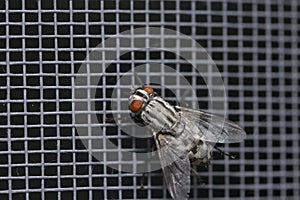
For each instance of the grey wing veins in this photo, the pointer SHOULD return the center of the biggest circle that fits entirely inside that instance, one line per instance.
(175, 164)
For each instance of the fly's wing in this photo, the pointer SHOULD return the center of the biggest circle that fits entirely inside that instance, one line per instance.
(213, 128)
(175, 164)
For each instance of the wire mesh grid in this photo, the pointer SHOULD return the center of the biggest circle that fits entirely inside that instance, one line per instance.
(43, 43)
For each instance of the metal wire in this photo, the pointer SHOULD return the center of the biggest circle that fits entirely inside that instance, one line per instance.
(43, 43)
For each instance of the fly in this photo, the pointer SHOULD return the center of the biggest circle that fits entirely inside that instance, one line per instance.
(183, 136)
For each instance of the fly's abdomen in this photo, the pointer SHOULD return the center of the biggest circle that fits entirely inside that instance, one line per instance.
(201, 153)
(159, 115)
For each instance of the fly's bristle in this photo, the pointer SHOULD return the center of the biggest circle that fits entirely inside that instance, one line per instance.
(132, 89)
(138, 78)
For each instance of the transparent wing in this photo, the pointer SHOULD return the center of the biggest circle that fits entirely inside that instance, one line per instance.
(213, 128)
(175, 165)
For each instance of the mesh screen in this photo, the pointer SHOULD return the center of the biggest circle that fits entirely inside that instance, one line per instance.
(255, 45)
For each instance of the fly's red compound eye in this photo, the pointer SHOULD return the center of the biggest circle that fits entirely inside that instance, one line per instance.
(136, 106)
(149, 90)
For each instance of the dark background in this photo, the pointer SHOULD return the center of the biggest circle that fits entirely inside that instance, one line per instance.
(43, 43)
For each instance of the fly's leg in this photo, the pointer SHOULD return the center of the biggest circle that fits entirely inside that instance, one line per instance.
(142, 181)
(198, 178)
(110, 120)
(150, 148)
(224, 153)
(194, 172)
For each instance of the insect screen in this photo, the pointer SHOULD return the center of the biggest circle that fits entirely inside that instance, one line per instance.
(46, 43)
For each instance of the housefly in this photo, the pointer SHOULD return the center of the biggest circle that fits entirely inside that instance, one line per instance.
(183, 136)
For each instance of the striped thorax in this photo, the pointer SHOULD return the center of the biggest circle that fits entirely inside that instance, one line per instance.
(154, 111)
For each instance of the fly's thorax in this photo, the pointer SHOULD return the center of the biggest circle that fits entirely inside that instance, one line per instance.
(159, 114)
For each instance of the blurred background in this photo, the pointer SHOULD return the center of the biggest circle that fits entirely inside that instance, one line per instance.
(43, 43)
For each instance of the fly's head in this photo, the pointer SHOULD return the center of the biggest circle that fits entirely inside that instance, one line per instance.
(137, 101)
